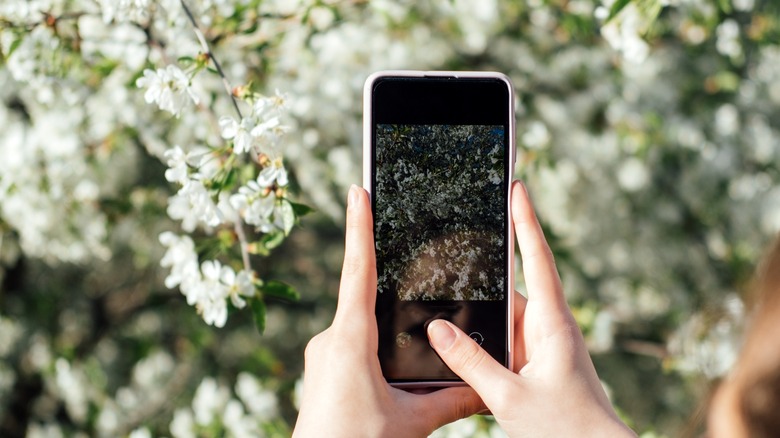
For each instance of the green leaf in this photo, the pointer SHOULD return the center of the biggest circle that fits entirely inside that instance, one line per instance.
(105, 67)
(301, 209)
(288, 216)
(258, 311)
(727, 81)
(278, 289)
(258, 248)
(186, 60)
(616, 8)
(648, 9)
(14, 45)
(272, 240)
(230, 179)
(268, 242)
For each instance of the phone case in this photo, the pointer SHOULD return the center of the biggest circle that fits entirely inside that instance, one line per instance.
(367, 185)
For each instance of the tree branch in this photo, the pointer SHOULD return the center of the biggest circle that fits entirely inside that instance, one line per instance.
(207, 51)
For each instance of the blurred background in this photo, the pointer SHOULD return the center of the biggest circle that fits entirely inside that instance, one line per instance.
(648, 135)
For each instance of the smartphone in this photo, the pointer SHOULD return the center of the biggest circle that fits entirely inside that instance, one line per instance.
(439, 154)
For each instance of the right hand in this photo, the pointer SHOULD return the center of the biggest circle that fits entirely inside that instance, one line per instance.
(554, 390)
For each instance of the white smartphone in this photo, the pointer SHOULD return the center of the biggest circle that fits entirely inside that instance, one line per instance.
(438, 161)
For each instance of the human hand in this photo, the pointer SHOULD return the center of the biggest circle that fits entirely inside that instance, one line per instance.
(554, 390)
(344, 392)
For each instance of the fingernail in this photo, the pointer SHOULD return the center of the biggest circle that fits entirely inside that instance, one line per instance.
(441, 335)
(352, 198)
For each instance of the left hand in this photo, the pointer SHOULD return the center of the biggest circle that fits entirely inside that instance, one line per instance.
(344, 391)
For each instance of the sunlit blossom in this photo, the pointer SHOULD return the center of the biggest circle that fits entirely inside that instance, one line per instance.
(239, 132)
(193, 204)
(168, 87)
(274, 173)
(177, 165)
(239, 286)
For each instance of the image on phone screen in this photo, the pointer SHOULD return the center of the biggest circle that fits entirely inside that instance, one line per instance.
(439, 225)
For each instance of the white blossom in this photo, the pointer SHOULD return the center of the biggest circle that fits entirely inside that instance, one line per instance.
(47, 430)
(269, 130)
(728, 39)
(181, 258)
(141, 432)
(633, 175)
(72, 385)
(255, 205)
(623, 33)
(262, 402)
(207, 286)
(182, 425)
(126, 10)
(274, 173)
(193, 204)
(211, 294)
(23, 63)
(238, 423)
(177, 165)
(169, 88)
(261, 129)
(210, 399)
(238, 285)
(239, 132)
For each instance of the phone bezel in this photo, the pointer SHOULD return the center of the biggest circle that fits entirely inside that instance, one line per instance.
(368, 122)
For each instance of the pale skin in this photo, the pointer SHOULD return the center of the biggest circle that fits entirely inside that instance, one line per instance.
(553, 392)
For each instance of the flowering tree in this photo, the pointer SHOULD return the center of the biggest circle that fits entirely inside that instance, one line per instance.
(157, 156)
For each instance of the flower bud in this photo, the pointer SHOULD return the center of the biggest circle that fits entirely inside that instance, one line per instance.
(202, 59)
(50, 20)
(241, 91)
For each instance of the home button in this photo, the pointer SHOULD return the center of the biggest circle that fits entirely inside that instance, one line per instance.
(477, 337)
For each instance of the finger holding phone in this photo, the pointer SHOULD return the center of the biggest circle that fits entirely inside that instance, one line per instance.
(554, 390)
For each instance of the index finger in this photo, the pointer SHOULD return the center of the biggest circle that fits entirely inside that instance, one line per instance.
(357, 291)
(539, 271)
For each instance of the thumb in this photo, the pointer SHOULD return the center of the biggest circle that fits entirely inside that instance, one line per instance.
(467, 359)
(449, 404)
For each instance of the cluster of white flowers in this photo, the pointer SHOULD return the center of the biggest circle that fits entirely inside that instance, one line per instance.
(260, 131)
(208, 286)
(260, 201)
(126, 10)
(213, 403)
(63, 221)
(624, 32)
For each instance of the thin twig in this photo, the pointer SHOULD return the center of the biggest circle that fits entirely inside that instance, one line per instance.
(238, 225)
(207, 50)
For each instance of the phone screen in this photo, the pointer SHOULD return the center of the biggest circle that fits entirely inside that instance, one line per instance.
(441, 168)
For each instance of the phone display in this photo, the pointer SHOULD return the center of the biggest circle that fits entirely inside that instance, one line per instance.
(438, 163)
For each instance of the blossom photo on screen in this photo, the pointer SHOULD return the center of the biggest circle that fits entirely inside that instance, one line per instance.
(440, 211)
